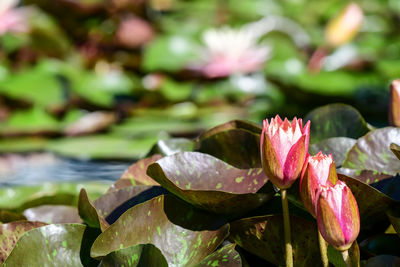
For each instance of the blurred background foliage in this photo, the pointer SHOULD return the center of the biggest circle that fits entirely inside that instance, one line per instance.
(107, 79)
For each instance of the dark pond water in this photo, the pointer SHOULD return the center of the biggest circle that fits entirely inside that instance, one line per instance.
(31, 170)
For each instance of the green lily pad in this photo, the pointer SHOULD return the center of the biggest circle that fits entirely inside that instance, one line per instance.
(22, 144)
(11, 232)
(35, 86)
(235, 142)
(170, 53)
(263, 236)
(146, 255)
(136, 174)
(226, 256)
(152, 223)
(102, 147)
(382, 260)
(372, 206)
(53, 214)
(23, 197)
(336, 120)
(337, 146)
(372, 152)
(32, 121)
(211, 184)
(395, 149)
(59, 245)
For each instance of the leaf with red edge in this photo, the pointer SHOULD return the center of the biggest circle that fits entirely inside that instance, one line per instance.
(211, 184)
(155, 222)
(11, 232)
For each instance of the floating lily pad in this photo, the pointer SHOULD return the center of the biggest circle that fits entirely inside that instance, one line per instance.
(337, 146)
(146, 255)
(24, 197)
(368, 177)
(336, 120)
(226, 256)
(395, 149)
(136, 174)
(394, 217)
(372, 152)
(151, 223)
(263, 236)
(210, 183)
(53, 214)
(11, 232)
(235, 142)
(372, 206)
(22, 144)
(102, 147)
(59, 245)
(32, 121)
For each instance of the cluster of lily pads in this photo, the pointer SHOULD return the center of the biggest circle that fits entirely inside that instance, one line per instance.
(207, 202)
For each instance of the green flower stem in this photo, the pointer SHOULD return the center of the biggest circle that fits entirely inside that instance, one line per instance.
(286, 225)
(323, 250)
(346, 258)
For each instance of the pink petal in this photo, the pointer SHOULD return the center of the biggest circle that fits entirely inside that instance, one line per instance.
(294, 161)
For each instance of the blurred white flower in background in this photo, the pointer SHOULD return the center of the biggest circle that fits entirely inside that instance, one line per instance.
(229, 51)
(12, 19)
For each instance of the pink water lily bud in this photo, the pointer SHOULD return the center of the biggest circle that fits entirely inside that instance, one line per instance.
(337, 215)
(394, 104)
(318, 170)
(345, 26)
(284, 147)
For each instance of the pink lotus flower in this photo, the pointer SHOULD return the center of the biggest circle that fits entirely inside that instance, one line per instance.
(12, 19)
(229, 51)
(284, 147)
(337, 215)
(394, 104)
(319, 170)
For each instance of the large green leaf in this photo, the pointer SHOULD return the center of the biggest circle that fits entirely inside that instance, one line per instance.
(102, 147)
(170, 53)
(394, 216)
(31, 121)
(36, 86)
(372, 152)
(263, 236)
(336, 258)
(11, 232)
(51, 245)
(146, 255)
(335, 120)
(154, 222)
(89, 214)
(210, 183)
(136, 174)
(235, 142)
(337, 146)
(9, 216)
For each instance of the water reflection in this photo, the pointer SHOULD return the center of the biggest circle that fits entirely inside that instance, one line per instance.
(45, 167)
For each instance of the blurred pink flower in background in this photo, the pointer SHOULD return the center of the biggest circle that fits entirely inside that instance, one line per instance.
(134, 32)
(229, 51)
(12, 19)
